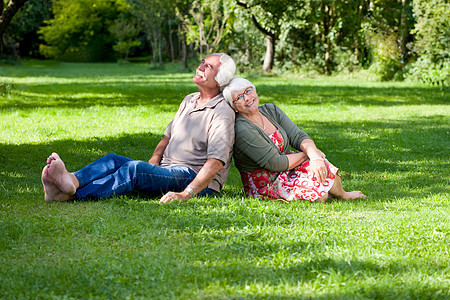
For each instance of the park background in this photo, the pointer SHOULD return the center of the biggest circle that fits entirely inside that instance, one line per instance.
(368, 80)
(391, 39)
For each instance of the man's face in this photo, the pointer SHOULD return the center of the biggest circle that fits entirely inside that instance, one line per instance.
(206, 72)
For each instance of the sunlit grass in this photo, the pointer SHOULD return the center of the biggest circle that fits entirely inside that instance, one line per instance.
(390, 140)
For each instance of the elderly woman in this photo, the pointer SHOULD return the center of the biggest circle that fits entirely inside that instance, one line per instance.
(261, 152)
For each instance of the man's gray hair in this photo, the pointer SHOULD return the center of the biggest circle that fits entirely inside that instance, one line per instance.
(236, 85)
(226, 70)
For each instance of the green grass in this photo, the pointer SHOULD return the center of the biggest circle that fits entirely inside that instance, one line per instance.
(390, 140)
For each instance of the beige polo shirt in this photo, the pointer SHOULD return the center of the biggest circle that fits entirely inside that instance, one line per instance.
(197, 134)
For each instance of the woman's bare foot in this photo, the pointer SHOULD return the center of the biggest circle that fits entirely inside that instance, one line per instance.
(322, 199)
(353, 195)
(63, 179)
(51, 189)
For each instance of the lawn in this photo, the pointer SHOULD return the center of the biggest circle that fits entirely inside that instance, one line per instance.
(390, 140)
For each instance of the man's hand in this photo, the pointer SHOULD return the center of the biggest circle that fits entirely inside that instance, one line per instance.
(159, 151)
(171, 196)
(154, 161)
(211, 167)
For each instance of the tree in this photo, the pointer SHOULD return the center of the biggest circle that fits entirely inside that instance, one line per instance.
(126, 32)
(271, 15)
(6, 15)
(204, 23)
(152, 16)
(432, 44)
(81, 30)
(21, 37)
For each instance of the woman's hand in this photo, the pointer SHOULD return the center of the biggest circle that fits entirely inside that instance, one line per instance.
(319, 169)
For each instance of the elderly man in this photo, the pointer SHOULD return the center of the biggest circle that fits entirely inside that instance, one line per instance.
(193, 157)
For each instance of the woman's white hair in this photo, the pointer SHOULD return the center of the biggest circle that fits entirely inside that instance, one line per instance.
(226, 70)
(236, 85)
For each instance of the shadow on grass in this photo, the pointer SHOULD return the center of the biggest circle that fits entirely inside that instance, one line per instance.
(404, 157)
(352, 95)
(169, 90)
(391, 282)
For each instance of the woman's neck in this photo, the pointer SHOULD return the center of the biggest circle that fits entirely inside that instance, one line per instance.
(256, 118)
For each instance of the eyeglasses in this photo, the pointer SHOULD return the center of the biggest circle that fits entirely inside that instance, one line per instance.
(241, 96)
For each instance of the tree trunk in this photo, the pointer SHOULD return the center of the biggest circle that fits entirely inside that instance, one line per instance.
(184, 51)
(327, 24)
(159, 47)
(403, 33)
(270, 52)
(6, 16)
(171, 45)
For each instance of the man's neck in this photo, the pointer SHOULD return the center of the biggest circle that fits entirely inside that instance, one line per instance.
(206, 95)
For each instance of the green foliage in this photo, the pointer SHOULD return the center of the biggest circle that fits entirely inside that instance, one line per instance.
(424, 69)
(126, 32)
(386, 56)
(247, 44)
(432, 44)
(5, 89)
(391, 39)
(80, 30)
(389, 139)
(21, 38)
(432, 29)
(207, 24)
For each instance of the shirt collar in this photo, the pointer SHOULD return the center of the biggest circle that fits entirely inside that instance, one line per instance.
(210, 104)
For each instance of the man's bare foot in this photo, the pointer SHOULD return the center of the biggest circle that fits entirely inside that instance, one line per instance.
(58, 172)
(51, 189)
(353, 195)
(51, 158)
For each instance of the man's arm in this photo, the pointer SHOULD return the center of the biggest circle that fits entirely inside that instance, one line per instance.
(211, 167)
(159, 151)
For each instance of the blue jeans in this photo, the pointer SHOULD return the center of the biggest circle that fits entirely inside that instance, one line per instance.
(114, 175)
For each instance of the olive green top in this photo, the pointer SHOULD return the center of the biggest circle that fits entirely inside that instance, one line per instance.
(253, 148)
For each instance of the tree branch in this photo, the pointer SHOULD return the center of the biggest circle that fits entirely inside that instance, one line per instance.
(255, 21)
(9, 12)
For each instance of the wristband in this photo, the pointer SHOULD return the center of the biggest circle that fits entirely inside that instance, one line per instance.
(190, 190)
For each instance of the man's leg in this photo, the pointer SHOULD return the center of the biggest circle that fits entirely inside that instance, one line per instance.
(100, 168)
(61, 185)
(139, 176)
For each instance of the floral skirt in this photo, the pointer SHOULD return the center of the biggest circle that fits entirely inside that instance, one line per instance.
(295, 184)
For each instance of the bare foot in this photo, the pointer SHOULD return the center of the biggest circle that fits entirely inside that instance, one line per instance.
(51, 158)
(353, 195)
(51, 189)
(58, 172)
(322, 199)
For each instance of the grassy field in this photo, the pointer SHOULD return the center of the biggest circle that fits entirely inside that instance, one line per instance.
(390, 140)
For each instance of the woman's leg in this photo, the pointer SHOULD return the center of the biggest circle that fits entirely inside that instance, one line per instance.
(337, 191)
(322, 199)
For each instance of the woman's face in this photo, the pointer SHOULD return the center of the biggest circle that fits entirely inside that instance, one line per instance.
(246, 101)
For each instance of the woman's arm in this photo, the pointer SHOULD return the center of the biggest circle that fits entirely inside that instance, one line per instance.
(296, 159)
(253, 149)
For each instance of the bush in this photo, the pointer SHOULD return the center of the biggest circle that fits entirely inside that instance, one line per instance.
(432, 73)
